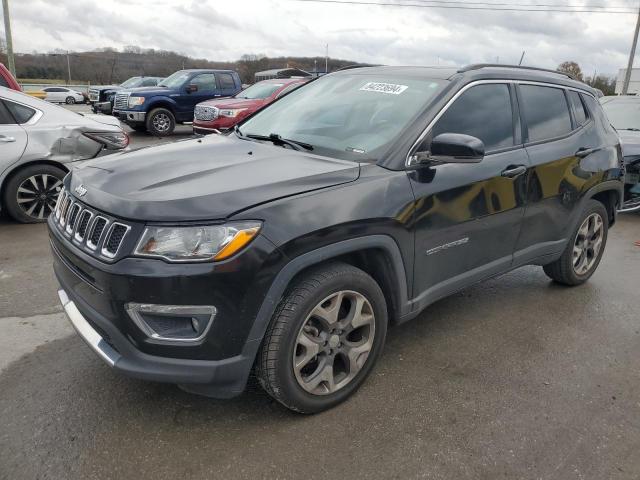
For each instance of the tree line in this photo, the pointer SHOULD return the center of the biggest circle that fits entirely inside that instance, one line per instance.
(604, 83)
(111, 66)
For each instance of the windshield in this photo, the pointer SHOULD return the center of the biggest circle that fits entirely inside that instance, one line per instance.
(352, 117)
(623, 114)
(132, 82)
(175, 80)
(260, 90)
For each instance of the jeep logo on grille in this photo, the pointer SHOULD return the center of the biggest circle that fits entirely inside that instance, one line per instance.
(80, 190)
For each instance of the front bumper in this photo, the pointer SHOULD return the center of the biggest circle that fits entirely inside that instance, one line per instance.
(130, 116)
(216, 378)
(104, 107)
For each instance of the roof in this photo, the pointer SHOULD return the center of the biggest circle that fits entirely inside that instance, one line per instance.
(282, 71)
(475, 72)
(284, 80)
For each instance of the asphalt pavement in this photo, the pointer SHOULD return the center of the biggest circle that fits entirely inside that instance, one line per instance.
(514, 378)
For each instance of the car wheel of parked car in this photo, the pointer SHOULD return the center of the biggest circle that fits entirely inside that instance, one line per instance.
(584, 251)
(161, 122)
(324, 338)
(31, 194)
(70, 101)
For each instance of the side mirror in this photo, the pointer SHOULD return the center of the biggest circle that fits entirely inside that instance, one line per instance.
(192, 88)
(452, 148)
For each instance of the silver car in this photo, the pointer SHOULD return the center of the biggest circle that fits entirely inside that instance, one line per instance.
(38, 144)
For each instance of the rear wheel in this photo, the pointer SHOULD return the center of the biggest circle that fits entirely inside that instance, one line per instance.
(584, 252)
(160, 122)
(31, 194)
(324, 338)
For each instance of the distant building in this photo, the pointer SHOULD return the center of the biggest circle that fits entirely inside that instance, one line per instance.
(281, 73)
(634, 82)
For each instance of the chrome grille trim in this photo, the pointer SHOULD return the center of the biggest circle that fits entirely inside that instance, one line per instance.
(64, 208)
(121, 101)
(107, 237)
(61, 199)
(79, 237)
(90, 244)
(67, 212)
(205, 113)
(72, 218)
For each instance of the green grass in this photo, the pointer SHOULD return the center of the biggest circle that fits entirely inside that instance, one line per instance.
(50, 81)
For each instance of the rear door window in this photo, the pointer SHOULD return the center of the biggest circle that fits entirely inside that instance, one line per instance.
(5, 117)
(484, 112)
(546, 112)
(578, 108)
(226, 81)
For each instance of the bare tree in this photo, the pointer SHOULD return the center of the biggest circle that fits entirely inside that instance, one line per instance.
(572, 68)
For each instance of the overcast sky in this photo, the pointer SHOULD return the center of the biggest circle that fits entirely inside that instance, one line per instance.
(224, 30)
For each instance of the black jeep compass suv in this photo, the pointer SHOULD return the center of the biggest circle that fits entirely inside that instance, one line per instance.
(288, 246)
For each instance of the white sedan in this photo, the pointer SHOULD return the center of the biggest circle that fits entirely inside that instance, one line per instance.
(63, 95)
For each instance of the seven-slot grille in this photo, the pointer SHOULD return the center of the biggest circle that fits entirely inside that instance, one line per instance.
(96, 233)
(121, 102)
(205, 113)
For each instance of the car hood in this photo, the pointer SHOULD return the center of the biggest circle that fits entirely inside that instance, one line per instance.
(142, 91)
(204, 179)
(630, 142)
(103, 87)
(233, 102)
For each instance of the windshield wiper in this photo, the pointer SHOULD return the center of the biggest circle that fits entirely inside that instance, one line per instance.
(275, 139)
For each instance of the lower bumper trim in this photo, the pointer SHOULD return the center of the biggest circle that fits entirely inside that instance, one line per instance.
(87, 332)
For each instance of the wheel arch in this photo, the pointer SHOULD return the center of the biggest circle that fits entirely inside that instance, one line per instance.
(162, 102)
(610, 194)
(378, 255)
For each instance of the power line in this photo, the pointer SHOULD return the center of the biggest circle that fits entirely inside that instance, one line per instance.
(464, 7)
(527, 5)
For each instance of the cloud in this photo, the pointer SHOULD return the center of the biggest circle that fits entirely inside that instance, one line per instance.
(373, 34)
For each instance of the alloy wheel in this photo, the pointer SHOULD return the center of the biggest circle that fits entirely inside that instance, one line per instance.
(588, 243)
(334, 342)
(161, 122)
(37, 195)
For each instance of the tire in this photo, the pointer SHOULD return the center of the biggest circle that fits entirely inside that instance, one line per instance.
(70, 101)
(160, 122)
(321, 290)
(584, 251)
(41, 180)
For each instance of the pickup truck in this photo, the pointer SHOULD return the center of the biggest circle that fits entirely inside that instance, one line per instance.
(101, 96)
(158, 109)
(7, 80)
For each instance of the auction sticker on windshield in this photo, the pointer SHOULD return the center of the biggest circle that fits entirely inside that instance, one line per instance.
(384, 88)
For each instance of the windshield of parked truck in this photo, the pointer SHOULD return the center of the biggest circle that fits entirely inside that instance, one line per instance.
(132, 82)
(175, 80)
(624, 114)
(260, 90)
(347, 116)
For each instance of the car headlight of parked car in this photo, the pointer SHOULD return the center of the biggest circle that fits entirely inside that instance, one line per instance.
(135, 101)
(230, 112)
(200, 243)
(111, 140)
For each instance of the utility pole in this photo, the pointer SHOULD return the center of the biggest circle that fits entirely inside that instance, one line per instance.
(627, 75)
(326, 60)
(7, 33)
(68, 68)
(521, 58)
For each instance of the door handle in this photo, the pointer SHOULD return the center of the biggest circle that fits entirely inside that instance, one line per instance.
(583, 152)
(513, 172)
(4, 139)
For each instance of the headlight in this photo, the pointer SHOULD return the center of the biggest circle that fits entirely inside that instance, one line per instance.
(184, 244)
(230, 112)
(112, 141)
(135, 101)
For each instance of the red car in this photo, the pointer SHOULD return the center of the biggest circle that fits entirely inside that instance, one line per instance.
(224, 113)
(7, 80)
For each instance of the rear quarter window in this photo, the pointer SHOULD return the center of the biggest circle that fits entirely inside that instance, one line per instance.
(546, 112)
(21, 113)
(578, 108)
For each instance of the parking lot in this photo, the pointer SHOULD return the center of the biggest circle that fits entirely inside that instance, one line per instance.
(515, 378)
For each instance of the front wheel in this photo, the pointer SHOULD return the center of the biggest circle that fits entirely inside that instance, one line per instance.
(323, 339)
(160, 122)
(584, 251)
(70, 101)
(31, 194)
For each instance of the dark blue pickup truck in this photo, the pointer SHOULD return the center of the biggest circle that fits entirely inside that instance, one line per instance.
(158, 109)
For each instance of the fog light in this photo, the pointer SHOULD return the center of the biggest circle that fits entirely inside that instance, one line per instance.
(172, 323)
